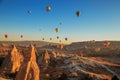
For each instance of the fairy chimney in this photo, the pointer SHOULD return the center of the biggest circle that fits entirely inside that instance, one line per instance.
(46, 57)
(53, 55)
(29, 69)
(12, 62)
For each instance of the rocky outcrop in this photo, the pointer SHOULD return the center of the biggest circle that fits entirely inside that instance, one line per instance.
(12, 62)
(29, 69)
(46, 57)
(53, 55)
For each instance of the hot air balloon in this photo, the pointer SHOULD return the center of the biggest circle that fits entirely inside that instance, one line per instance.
(6, 36)
(21, 36)
(57, 37)
(29, 11)
(78, 13)
(50, 38)
(106, 44)
(56, 29)
(60, 46)
(48, 8)
(66, 39)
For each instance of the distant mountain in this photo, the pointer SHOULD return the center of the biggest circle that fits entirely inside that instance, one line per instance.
(89, 48)
(26, 43)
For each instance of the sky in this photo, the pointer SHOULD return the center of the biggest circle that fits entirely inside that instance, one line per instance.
(98, 20)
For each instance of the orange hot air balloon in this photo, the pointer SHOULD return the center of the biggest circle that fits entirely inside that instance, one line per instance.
(78, 13)
(60, 46)
(6, 36)
(56, 29)
(48, 8)
(106, 44)
(57, 37)
(21, 36)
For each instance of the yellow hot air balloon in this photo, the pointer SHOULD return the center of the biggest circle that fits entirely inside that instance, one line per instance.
(48, 8)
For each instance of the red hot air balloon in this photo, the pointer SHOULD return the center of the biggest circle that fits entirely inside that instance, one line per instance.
(106, 44)
(56, 29)
(6, 36)
(60, 46)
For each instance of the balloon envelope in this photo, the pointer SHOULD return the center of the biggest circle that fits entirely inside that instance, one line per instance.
(6, 36)
(29, 11)
(106, 44)
(60, 46)
(66, 39)
(48, 8)
(57, 37)
(56, 29)
(78, 13)
(21, 36)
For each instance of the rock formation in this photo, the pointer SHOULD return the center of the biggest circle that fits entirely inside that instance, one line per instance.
(46, 57)
(29, 69)
(12, 62)
(53, 55)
